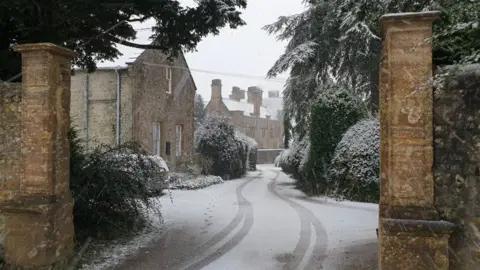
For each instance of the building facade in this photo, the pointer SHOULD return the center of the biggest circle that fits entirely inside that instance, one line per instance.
(259, 118)
(149, 101)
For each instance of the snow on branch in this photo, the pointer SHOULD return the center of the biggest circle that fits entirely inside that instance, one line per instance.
(299, 55)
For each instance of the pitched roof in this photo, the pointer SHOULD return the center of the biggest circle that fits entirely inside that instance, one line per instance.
(247, 108)
(273, 104)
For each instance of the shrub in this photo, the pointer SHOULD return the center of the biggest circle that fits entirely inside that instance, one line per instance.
(191, 182)
(251, 146)
(335, 110)
(190, 164)
(226, 150)
(354, 171)
(290, 160)
(111, 187)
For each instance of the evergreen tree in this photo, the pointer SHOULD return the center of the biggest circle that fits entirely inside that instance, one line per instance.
(92, 28)
(340, 41)
(199, 110)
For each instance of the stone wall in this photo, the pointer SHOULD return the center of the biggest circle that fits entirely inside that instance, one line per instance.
(267, 156)
(457, 160)
(144, 101)
(35, 196)
(100, 88)
(10, 151)
(411, 235)
(152, 103)
(268, 133)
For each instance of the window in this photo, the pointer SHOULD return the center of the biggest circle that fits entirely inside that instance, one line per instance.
(264, 132)
(252, 131)
(179, 131)
(157, 131)
(168, 76)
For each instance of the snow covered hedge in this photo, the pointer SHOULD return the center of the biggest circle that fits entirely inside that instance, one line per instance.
(190, 182)
(354, 171)
(335, 110)
(228, 151)
(251, 144)
(292, 159)
(111, 187)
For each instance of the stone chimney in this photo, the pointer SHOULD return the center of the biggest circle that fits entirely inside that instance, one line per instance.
(216, 89)
(274, 94)
(216, 98)
(237, 94)
(255, 97)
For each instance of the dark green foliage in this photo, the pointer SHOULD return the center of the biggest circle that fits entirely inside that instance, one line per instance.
(331, 115)
(290, 159)
(227, 150)
(354, 171)
(92, 27)
(457, 32)
(252, 159)
(287, 126)
(343, 39)
(199, 110)
(110, 187)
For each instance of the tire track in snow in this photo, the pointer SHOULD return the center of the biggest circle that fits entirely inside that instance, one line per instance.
(307, 217)
(245, 209)
(305, 198)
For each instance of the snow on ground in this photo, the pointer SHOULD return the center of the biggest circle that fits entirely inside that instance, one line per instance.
(173, 212)
(100, 255)
(260, 222)
(350, 228)
(191, 219)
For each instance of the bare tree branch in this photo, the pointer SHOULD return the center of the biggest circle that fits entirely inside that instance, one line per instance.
(141, 19)
(135, 45)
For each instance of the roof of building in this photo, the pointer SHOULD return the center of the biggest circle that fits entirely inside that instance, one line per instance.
(273, 104)
(111, 68)
(247, 108)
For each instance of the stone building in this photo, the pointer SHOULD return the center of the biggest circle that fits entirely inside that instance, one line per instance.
(150, 101)
(259, 118)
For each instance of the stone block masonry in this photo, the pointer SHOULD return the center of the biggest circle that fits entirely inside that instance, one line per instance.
(411, 236)
(39, 232)
(267, 156)
(10, 134)
(10, 150)
(457, 160)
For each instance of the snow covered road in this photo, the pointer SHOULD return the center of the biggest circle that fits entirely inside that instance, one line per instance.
(260, 222)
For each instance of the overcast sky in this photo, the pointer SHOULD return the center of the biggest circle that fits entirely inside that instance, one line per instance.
(247, 50)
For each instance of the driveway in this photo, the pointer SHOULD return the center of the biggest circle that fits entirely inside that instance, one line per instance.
(260, 222)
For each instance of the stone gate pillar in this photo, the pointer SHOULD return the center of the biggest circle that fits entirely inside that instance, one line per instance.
(410, 235)
(39, 230)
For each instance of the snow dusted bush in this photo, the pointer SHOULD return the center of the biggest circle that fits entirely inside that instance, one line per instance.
(278, 159)
(189, 181)
(251, 148)
(335, 110)
(291, 159)
(227, 150)
(354, 171)
(111, 187)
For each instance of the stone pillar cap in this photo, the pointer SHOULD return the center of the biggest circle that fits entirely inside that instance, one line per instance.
(45, 47)
(425, 15)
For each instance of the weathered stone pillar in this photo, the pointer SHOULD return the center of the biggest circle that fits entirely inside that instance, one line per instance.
(39, 230)
(411, 237)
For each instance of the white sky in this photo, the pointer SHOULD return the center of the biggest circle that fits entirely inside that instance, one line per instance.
(247, 50)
